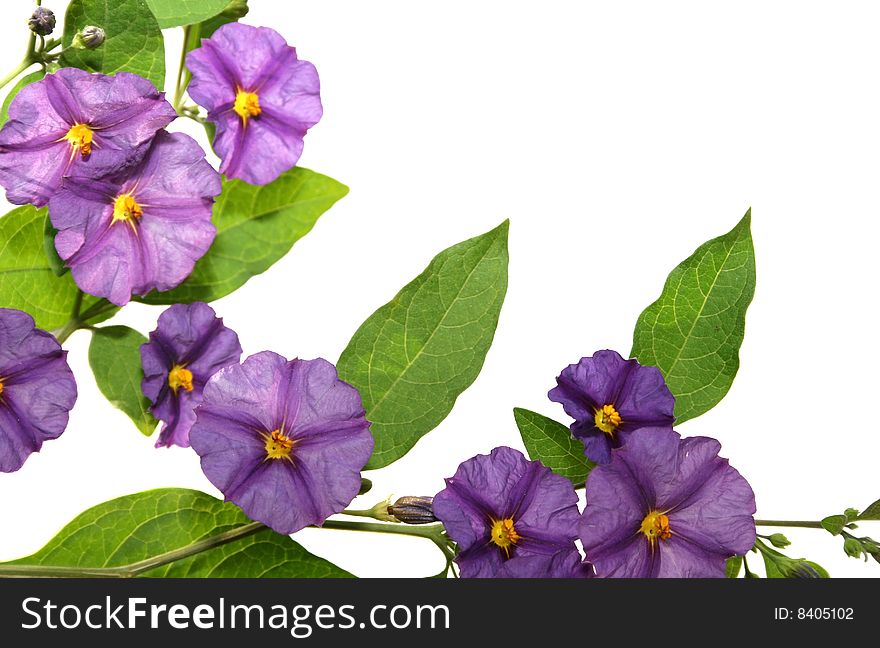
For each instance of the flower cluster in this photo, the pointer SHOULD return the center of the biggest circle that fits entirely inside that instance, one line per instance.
(131, 202)
(657, 505)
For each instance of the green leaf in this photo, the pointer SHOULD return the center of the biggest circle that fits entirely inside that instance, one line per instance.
(174, 13)
(234, 10)
(27, 279)
(55, 263)
(256, 226)
(694, 330)
(551, 443)
(414, 356)
(834, 524)
(137, 527)
(134, 42)
(872, 512)
(115, 358)
(22, 82)
(734, 565)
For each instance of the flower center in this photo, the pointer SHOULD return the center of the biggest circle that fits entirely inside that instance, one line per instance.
(1, 388)
(608, 420)
(180, 377)
(126, 208)
(80, 138)
(504, 534)
(654, 526)
(278, 446)
(247, 105)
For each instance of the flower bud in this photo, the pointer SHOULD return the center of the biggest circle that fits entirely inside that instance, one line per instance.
(803, 570)
(42, 21)
(413, 510)
(779, 541)
(89, 37)
(853, 548)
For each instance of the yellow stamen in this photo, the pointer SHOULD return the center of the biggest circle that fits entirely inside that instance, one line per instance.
(80, 138)
(247, 105)
(1, 388)
(656, 526)
(278, 446)
(180, 377)
(126, 208)
(608, 420)
(504, 534)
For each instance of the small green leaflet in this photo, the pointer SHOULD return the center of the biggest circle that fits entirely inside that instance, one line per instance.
(174, 13)
(115, 358)
(694, 330)
(551, 443)
(136, 527)
(414, 356)
(256, 226)
(133, 43)
(734, 566)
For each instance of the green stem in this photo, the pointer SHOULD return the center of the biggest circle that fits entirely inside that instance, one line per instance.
(24, 65)
(790, 523)
(191, 35)
(134, 569)
(98, 308)
(433, 532)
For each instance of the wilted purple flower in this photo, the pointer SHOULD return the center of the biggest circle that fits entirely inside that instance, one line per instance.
(285, 441)
(42, 21)
(502, 507)
(609, 398)
(413, 510)
(262, 98)
(76, 123)
(37, 389)
(140, 231)
(666, 507)
(190, 344)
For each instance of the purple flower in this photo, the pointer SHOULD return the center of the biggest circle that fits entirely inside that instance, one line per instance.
(37, 389)
(261, 97)
(140, 231)
(609, 398)
(190, 344)
(502, 507)
(76, 123)
(666, 507)
(285, 441)
(564, 564)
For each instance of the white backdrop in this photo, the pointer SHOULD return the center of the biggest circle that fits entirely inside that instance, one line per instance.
(617, 137)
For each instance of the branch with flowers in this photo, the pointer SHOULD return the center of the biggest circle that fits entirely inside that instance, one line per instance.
(115, 208)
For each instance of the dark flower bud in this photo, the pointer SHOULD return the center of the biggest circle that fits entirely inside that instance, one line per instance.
(803, 570)
(779, 541)
(413, 510)
(42, 21)
(89, 37)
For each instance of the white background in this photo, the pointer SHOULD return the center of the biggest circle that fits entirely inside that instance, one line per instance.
(617, 137)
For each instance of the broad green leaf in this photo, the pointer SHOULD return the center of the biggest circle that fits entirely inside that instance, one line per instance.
(27, 279)
(413, 357)
(551, 443)
(115, 358)
(136, 527)
(173, 13)
(734, 566)
(834, 524)
(22, 82)
(233, 11)
(134, 42)
(694, 330)
(871, 513)
(256, 226)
